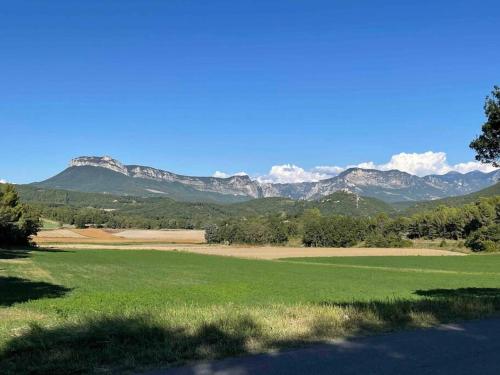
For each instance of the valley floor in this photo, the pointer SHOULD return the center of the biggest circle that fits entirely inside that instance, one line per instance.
(193, 241)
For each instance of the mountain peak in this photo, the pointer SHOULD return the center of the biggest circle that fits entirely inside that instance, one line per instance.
(99, 161)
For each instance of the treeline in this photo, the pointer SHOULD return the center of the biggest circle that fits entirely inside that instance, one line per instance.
(17, 221)
(478, 224)
(85, 217)
(274, 229)
(311, 228)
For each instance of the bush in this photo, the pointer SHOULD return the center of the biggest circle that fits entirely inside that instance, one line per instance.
(485, 239)
(388, 240)
(212, 233)
(80, 221)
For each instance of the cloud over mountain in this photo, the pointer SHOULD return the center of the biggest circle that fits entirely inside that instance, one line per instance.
(220, 174)
(419, 164)
(426, 163)
(290, 173)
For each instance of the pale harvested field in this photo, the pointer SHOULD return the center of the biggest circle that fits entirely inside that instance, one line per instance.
(177, 236)
(269, 252)
(58, 233)
(94, 235)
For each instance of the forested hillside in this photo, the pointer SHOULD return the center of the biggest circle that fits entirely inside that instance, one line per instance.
(123, 211)
(407, 208)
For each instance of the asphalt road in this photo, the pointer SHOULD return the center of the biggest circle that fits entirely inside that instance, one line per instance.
(466, 348)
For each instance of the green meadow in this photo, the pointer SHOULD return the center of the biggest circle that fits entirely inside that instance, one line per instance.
(98, 311)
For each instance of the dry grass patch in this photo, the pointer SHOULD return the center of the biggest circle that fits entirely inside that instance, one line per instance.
(98, 236)
(174, 236)
(264, 252)
(57, 234)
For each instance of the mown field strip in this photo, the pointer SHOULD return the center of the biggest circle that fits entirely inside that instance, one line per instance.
(258, 252)
(391, 269)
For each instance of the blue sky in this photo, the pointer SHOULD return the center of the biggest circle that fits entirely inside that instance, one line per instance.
(202, 86)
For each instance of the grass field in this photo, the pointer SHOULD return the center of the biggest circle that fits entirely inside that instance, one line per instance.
(50, 224)
(85, 311)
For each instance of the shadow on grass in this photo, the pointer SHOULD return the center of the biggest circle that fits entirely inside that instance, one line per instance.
(15, 290)
(437, 306)
(461, 292)
(118, 344)
(114, 344)
(14, 253)
(25, 252)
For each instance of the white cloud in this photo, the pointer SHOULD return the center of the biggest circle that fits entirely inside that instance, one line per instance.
(329, 170)
(220, 174)
(426, 163)
(365, 165)
(2, 181)
(289, 173)
(420, 164)
(473, 166)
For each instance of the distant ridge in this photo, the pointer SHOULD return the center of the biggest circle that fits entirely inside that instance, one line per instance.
(409, 208)
(104, 174)
(339, 203)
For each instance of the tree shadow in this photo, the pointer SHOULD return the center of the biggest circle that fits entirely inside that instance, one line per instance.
(14, 253)
(437, 306)
(118, 345)
(16, 290)
(460, 292)
(25, 252)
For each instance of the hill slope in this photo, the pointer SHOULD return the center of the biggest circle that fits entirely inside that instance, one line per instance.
(339, 203)
(408, 208)
(104, 180)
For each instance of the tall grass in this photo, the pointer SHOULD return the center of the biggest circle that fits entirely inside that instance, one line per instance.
(122, 342)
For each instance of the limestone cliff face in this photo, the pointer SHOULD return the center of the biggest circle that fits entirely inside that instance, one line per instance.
(99, 161)
(235, 185)
(390, 186)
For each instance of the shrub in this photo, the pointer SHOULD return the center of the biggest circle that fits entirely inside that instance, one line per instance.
(388, 240)
(212, 233)
(485, 239)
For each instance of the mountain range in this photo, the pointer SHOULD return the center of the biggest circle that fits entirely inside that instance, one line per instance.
(107, 175)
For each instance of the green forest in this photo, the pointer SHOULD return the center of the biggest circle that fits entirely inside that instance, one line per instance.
(477, 224)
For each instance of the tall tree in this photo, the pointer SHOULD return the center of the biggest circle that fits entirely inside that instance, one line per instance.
(17, 221)
(487, 145)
